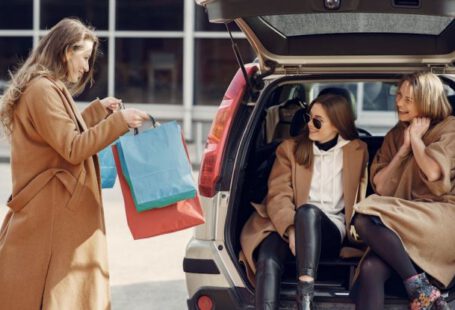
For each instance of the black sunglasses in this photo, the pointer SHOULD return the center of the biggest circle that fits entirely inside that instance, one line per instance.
(317, 123)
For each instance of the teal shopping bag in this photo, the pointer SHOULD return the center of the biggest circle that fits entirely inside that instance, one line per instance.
(156, 167)
(107, 167)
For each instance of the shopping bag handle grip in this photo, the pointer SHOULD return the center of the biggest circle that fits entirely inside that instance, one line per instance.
(136, 131)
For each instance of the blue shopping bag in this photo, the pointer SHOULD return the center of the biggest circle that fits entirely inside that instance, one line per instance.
(107, 167)
(156, 167)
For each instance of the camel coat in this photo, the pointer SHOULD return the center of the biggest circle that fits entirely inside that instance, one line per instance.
(53, 250)
(289, 187)
(420, 212)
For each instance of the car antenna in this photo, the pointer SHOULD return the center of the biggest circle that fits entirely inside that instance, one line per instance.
(240, 62)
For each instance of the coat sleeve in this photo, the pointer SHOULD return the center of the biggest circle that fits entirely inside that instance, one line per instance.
(385, 155)
(443, 152)
(94, 113)
(52, 122)
(280, 197)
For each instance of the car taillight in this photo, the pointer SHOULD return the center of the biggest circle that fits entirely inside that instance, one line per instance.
(209, 173)
(204, 303)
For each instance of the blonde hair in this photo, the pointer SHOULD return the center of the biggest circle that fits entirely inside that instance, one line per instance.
(340, 113)
(429, 95)
(49, 59)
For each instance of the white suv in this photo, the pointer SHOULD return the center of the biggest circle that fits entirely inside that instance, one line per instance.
(302, 47)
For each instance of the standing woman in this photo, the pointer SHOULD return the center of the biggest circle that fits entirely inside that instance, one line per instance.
(313, 185)
(410, 220)
(53, 250)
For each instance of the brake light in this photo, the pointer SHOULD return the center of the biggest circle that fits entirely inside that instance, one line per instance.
(209, 173)
(205, 303)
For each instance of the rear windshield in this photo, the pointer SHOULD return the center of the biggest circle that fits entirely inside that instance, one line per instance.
(373, 101)
(332, 23)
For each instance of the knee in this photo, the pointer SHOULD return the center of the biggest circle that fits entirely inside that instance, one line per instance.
(373, 267)
(306, 212)
(268, 264)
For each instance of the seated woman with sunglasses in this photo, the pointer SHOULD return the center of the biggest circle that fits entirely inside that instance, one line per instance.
(309, 201)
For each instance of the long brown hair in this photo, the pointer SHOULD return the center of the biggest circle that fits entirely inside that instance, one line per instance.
(49, 59)
(429, 95)
(340, 114)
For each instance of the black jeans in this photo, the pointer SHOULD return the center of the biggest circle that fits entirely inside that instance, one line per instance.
(316, 237)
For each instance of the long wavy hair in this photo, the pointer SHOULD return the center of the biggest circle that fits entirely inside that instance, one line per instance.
(49, 59)
(340, 114)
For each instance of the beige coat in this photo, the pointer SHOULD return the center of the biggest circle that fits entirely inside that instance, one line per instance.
(289, 187)
(420, 212)
(53, 251)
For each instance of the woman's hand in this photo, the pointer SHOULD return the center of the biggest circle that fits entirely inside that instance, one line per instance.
(291, 237)
(419, 126)
(111, 103)
(134, 117)
(406, 146)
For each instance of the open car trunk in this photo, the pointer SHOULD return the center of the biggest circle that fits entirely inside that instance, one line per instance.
(300, 36)
(254, 159)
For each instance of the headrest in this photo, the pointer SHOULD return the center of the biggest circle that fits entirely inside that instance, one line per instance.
(343, 92)
(298, 122)
(451, 99)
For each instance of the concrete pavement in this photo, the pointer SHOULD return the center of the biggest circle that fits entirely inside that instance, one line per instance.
(145, 274)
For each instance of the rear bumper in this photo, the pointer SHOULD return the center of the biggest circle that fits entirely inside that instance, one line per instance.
(223, 298)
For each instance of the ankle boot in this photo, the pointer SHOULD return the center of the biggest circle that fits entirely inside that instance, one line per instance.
(423, 295)
(305, 292)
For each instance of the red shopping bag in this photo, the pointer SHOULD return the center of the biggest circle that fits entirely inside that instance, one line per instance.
(175, 217)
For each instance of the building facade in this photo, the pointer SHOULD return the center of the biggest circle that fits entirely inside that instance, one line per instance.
(160, 56)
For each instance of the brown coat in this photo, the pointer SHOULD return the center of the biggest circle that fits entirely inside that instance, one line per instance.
(289, 186)
(420, 212)
(53, 250)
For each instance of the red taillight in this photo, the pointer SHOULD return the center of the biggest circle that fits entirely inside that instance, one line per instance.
(216, 140)
(204, 303)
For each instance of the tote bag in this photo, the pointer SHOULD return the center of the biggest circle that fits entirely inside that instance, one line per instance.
(108, 170)
(156, 166)
(177, 216)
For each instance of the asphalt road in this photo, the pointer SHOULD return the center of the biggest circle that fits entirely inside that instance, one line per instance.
(145, 274)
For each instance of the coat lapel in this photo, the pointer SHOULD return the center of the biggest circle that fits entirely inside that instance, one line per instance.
(70, 106)
(301, 184)
(352, 171)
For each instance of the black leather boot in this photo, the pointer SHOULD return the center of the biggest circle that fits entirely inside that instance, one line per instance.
(268, 278)
(305, 292)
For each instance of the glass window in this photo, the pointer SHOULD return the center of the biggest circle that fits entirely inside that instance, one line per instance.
(16, 14)
(150, 15)
(15, 51)
(94, 13)
(203, 24)
(149, 70)
(99, 88)
(371, 96)
(215, 66)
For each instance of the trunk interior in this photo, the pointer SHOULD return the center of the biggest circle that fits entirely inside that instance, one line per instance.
(255, 157)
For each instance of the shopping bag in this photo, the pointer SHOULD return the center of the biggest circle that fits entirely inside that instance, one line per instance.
(178, 216)
(107, 168)
(156, 167)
